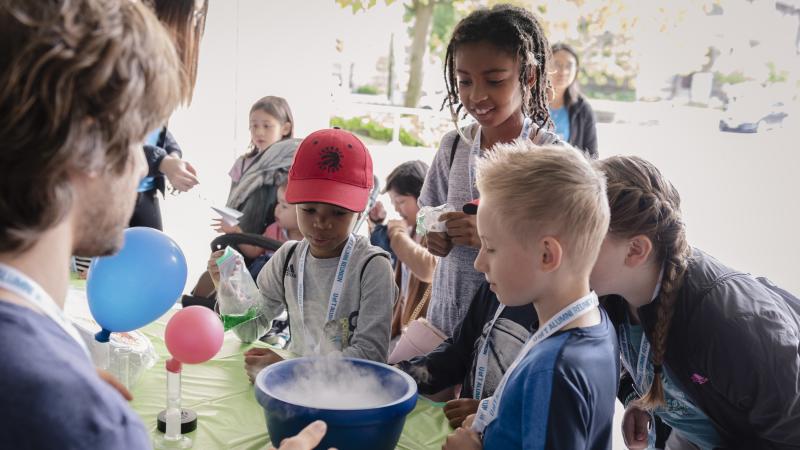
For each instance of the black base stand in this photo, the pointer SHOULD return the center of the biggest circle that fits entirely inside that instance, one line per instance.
(188, 421)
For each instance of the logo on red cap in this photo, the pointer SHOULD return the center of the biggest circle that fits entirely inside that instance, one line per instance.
(330, 159)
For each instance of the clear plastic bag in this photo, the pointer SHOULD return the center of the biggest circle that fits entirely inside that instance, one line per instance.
(126, 355)
(238, 297)
(428, 219)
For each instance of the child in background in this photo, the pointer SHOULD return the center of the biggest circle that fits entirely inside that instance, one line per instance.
(496, 71)
(572, 115)
(256, 175)
(337, 288)
(415, 265)
(711, 351)
(284, 228)
(542, 217)
(255, 178)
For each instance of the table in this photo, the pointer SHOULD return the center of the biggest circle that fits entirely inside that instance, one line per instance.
(229, 417)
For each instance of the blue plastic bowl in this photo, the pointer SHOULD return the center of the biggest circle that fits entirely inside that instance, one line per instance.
(375, 428)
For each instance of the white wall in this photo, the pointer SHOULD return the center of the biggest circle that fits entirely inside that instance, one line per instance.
(251, 48)
(739, 192)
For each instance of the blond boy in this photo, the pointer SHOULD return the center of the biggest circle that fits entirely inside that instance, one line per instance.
(542, 217)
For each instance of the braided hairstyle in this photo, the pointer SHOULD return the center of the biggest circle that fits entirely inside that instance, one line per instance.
(643, 202)
(517, 31)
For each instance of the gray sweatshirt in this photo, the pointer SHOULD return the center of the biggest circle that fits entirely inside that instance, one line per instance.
(456, 280)
(363, 316)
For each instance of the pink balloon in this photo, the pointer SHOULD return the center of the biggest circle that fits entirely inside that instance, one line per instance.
(194, 335)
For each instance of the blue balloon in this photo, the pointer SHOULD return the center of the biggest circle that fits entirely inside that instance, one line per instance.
(139, 284)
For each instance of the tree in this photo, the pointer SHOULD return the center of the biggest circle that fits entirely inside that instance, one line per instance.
(358, 5)
(430, 24)
(422, 11)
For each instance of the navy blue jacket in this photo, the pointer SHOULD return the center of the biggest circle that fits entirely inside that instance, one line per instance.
(582, 127)
(734, 348)
(154, 154)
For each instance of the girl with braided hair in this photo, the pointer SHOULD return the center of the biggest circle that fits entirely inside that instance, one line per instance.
(496, 71)
(711, 351)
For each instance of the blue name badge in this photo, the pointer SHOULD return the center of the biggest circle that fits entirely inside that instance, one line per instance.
(152, 138)
(147, 184)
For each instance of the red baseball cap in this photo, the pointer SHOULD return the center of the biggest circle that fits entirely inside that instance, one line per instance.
(331, 166)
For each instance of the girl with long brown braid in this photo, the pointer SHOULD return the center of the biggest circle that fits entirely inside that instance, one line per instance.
(691, 329)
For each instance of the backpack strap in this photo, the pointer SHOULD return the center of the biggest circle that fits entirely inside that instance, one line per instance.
(292, 249)
(371, 257)
(363, 268)
(453, 149)
(289, 259)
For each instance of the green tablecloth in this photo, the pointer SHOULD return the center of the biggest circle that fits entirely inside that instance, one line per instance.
(229, 417)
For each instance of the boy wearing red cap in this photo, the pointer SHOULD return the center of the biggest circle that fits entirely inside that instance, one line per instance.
(337, 288)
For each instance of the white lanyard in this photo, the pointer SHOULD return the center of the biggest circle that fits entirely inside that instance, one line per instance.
(483, 358)
(487, 410)
(336, 289)
(640, 378)
(17, 282)
(639, 375)
(475, 150)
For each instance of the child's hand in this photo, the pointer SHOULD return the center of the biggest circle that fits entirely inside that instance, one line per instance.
(396, 226)
(457, 410)
(213, 268)
(377, 214)
(461, 439)
(256, 359)
(307, 439)
(439, 244)
(469, 421)
(635, 427)
(461, 228)
(115, 384)
(220, 226)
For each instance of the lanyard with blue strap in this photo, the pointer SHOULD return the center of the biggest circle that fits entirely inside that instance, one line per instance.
(17, 282)
(488, 408)
(336, 289)
(475, 150)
